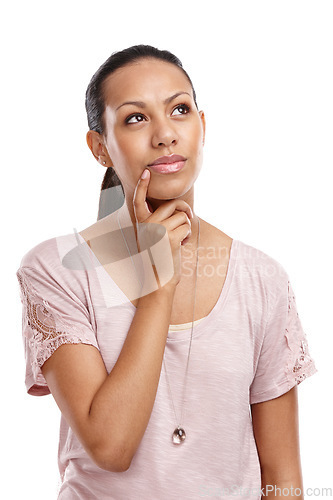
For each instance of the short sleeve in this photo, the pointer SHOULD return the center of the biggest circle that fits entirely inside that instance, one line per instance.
(284, 360)
(52, 315)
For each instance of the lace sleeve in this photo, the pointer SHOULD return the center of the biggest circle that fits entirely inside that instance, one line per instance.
(284, 360)
(44, 329)
(300, 365)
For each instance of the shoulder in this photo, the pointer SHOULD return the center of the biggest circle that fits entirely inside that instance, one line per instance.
(258, 273)
(58, 271)
(59, 256)
(259, 263)
(40, 254)
(251, 263)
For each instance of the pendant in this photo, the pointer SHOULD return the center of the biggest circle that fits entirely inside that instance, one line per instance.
(178, 435)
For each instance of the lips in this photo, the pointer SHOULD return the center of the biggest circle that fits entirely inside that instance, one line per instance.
(167, 160)
(168, 168)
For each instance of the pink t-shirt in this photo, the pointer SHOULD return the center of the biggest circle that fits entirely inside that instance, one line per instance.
(250, 348)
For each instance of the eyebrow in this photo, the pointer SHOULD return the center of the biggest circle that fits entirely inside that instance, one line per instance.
(142, 104)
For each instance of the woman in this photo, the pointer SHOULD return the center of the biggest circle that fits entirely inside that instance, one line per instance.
(172, 350)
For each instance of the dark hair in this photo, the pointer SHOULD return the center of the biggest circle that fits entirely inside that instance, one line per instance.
(95, 107)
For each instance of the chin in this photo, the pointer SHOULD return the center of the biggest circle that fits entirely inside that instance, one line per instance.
(167, 192)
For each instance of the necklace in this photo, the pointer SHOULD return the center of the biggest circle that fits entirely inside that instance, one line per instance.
(179, 434)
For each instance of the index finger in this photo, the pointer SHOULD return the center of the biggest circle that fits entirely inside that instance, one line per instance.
(140, 206)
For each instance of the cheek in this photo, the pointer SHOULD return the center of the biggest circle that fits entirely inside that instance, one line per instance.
(131, 144)
(124, 148)
(197, 136)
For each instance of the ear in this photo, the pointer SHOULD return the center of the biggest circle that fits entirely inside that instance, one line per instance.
(203, 122)
(96, 145)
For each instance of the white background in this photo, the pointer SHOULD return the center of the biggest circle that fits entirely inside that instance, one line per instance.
(262, 71)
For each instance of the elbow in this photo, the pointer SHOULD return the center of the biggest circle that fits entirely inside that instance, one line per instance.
(111, 461)
(112, 465)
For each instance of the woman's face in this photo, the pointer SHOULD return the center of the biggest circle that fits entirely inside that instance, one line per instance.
(150, 112)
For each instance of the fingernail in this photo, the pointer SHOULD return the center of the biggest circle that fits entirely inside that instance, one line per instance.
(144, 174)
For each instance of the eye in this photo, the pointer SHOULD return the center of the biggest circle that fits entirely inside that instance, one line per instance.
(137, 115)
(183, 107)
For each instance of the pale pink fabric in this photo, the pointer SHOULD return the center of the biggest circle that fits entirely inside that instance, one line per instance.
(250, 348)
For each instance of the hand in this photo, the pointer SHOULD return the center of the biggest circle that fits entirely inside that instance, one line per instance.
(169, 227)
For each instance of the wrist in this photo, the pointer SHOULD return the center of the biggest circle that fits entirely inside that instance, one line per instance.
(165, 291)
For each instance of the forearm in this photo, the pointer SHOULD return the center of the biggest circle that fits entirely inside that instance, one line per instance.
(286, 489)
(121, 408)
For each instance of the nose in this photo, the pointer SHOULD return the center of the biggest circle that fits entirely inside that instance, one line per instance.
(164, 134)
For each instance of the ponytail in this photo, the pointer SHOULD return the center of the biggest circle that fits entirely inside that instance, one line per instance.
(112, 195)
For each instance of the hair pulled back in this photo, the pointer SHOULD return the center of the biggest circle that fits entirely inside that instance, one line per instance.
(95, 107)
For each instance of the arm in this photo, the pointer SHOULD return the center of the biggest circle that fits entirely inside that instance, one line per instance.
(109, 413)
(275, 427)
